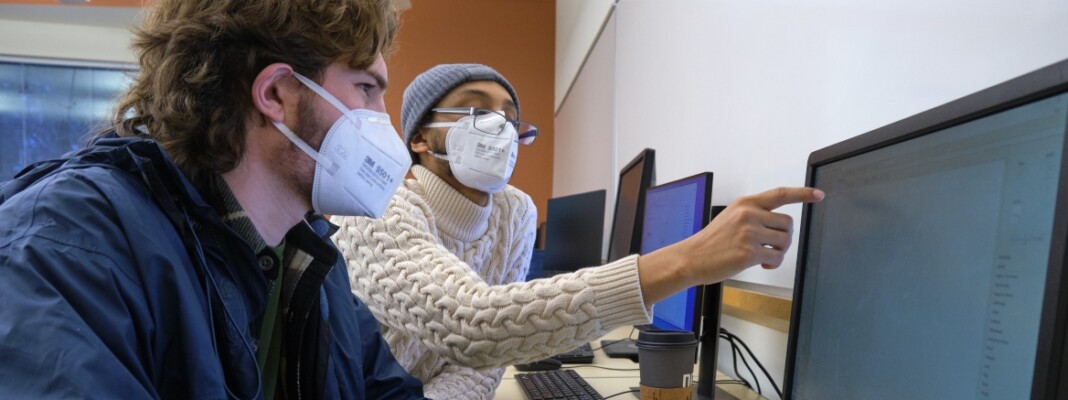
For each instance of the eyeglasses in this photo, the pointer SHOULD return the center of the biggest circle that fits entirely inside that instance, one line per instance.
(526, 131)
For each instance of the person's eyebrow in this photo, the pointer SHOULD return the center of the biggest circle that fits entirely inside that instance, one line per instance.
(379, 79)
(511, 105)
(508, 104)
(476, 93)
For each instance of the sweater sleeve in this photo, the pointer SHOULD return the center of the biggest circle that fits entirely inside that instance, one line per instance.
(459, 383)
(415, 285)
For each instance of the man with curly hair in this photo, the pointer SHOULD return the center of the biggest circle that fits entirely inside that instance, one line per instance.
(180, 255)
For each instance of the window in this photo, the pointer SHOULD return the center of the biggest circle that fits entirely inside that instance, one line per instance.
(49, 108)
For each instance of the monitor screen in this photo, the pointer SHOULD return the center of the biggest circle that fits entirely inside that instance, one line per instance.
(634, 178)
(673, 212)
(923, 274)
(574, 228)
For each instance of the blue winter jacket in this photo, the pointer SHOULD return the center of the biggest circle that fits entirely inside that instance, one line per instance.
(117, 280)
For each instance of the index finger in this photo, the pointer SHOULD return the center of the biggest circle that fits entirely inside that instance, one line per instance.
(779, 197)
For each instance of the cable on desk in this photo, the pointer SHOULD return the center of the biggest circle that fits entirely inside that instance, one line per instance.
(732, 337)
(622, 393)
(737, 353)
(755, 359)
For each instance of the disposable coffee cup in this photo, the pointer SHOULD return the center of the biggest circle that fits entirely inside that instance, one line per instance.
(665, 361)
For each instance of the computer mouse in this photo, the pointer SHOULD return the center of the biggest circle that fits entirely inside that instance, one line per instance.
(548, 364)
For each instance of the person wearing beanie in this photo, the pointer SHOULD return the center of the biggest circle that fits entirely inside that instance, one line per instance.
(442, 270)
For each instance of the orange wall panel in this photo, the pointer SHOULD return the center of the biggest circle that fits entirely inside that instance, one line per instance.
(515, 37)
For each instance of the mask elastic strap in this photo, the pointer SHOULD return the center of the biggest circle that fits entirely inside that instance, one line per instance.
(321, 92)
(326, 163)
(440, 125)
(440, 156)
(443, 157)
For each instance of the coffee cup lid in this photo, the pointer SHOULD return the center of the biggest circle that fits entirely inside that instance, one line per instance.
(665, 339)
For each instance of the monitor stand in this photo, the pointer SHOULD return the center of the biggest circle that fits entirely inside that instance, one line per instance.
(624, 348)
(706, 373)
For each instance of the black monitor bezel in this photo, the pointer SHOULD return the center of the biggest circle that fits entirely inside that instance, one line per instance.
(648, 178)
(706, 217)
(1052, 352)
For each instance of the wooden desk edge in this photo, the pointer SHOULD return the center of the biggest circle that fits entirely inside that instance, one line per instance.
(760, 308)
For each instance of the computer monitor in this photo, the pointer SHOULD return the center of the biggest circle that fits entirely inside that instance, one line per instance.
(574, 229)
(934, 268)
(639, 174)
(675, 211)
(672, 212)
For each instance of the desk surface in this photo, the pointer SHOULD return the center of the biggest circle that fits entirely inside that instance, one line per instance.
(610, 376)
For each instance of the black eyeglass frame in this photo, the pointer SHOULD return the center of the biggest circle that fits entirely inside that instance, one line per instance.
(527, 132)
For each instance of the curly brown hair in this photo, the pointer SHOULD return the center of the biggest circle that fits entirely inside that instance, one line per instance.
(198, 59)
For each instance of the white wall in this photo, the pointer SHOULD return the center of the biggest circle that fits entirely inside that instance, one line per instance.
(583, 153)
(578, 24)
(747, 89)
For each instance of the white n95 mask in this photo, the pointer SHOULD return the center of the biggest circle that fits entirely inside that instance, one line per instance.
(479, 160)
(360, 163)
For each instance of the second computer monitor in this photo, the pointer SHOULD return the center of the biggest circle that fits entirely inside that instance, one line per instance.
(638, 175)
(574, 228)
(674, 211)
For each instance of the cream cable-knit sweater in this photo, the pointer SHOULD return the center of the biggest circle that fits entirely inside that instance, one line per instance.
(425, 269)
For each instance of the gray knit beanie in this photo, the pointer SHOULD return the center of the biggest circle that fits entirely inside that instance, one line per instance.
(429, 87)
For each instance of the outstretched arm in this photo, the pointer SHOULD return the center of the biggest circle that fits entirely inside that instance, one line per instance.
(414, 284)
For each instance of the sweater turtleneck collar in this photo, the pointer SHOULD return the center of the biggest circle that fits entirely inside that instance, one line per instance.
(456, 215)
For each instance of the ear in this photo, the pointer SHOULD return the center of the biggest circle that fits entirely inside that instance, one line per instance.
(419, 144)
(273, 90)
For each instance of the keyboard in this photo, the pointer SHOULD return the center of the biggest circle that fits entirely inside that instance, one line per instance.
(580, 355)
(556, 385)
